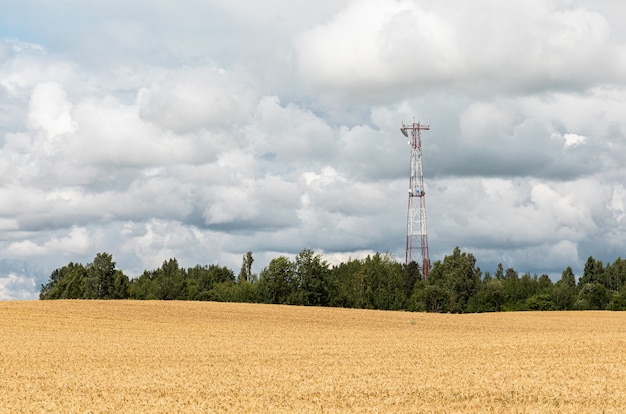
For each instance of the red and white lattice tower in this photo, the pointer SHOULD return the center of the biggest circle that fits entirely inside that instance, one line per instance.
(416, 236)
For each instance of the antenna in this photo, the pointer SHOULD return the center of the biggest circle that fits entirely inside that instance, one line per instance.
(416, 236)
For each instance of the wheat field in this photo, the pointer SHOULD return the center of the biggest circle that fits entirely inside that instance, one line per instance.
(202, 357)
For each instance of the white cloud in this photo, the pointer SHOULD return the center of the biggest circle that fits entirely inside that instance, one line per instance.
(16, 287)
(50, 111)
(76, 242)
(376, 49)
(489, 213)
(27, 64)
(193, 98)
(288, 133)
(573, 140)
(202, 131)
(157, 240)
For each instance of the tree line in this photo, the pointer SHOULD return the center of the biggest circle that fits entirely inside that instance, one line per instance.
(455, 284)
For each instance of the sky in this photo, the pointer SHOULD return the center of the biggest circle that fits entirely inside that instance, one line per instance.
(200, 130)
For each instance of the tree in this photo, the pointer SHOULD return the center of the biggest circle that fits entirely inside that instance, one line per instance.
(347, 284)
(100, 277)
(48, 291)
(383, 282)
(592, 272)
(515, 297)
(618, 300)
(143, 287)
(432, 298)
(209, 277)
(170, 279)
(564, 291)
(567, 278)
(544, 284)
(73, 284)
(500, 271)
(120, 286)
(594, 296)
(245, 275)
(98, 280)
(311, 278)
(67, 282)
(411, 274)
(614, 275)
(458, 275)
(277, 282)
(495, 293)
(541, 302)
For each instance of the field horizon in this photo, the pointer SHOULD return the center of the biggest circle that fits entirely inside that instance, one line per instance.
(77, 356)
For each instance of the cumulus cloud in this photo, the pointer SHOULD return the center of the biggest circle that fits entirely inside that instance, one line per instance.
(376, 49)
(49, 110)
(288, 133)
(76, 242)
(202, 131)
(193, 98)
(14, 286)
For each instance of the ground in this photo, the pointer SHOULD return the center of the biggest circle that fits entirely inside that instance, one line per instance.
(164, 357)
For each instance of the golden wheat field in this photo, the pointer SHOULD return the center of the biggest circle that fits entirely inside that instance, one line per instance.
(202, 357)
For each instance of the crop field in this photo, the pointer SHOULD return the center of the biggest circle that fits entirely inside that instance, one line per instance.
(202, 357)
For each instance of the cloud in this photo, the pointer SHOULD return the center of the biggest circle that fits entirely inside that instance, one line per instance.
(76, 242)
(374, 50)
(203, 131)
(193, 98)
(288, 134)
(13, 287)
(49, 110)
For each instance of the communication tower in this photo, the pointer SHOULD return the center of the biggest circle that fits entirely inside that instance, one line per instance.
(416, 236)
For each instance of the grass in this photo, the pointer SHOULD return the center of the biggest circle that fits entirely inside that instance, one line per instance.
(202, 357)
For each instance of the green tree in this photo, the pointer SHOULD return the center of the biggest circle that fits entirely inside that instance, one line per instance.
(170, 279)
(592, 272)
(277, 282)
(48, 290)
(431, 298)
(489, 297)
(593, 296)
(73, 284)
(564, 291)
(67, 282)
(245, 275)
(98, 280)
(347, 285)
(458, 275)
(618, 300)
(145, 287)
(528, 286)
(544, 284)
(209, 277)
(311, 274)
(386, 287)
(541, 301)
(500, 271)
(614, 275)
(194, 274)
(495, 294)
(567, 278)
(120, 286)
(411, 274)
(100, 277)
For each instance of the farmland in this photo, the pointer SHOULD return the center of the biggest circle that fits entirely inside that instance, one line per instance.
(160, 356)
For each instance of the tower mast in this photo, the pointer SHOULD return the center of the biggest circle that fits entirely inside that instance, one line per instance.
(416, 236)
